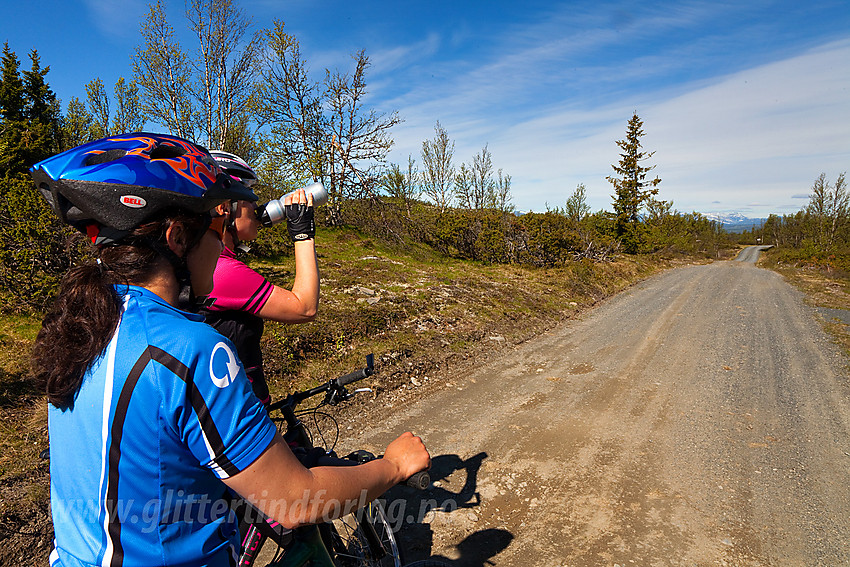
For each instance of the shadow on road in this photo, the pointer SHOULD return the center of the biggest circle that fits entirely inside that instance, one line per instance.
(444, 466)
(411, 513)
(477, 549)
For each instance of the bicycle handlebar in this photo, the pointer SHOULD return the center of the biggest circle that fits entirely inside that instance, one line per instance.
(329, 386)
(358, 374)
(419, 481)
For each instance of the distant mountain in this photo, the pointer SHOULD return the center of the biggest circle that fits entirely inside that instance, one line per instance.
(734, 222)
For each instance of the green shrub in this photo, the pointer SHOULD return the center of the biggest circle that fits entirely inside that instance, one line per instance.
(36, 249)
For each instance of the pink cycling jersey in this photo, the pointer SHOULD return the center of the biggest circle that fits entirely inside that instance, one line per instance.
(236, 287)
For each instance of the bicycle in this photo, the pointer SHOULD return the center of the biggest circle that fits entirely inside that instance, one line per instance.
(361, 538)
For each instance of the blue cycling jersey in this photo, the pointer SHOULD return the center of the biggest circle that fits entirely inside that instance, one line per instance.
(136, 466)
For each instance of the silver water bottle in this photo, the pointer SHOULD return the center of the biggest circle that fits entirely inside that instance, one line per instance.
(272, 212)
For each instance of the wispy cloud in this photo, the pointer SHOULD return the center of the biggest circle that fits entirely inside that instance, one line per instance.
(743, 103)
(766, 131)
(391, 60)
(551, 113)
(117, 20)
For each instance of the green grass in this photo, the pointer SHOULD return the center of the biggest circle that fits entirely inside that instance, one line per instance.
(23, 416)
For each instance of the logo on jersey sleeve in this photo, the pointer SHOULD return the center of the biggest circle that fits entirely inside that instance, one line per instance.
(224, 373)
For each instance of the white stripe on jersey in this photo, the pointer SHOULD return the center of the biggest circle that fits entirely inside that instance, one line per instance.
(104, 453)
(212, 464)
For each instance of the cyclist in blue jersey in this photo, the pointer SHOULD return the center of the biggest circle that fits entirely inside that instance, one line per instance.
(152, 422)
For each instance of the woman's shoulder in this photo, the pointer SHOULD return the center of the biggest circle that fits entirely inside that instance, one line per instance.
(164, 323)
(238, 287)
(228, 265)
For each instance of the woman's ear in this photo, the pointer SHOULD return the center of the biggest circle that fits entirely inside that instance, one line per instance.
(222, 210)
(176, 238)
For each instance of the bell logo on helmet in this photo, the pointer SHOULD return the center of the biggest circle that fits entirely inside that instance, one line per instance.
(133, 201)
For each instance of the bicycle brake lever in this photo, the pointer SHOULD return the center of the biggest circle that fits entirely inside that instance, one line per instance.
(336, 395)
(363, 390)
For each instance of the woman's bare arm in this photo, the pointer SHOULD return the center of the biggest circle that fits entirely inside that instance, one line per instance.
(283, 489)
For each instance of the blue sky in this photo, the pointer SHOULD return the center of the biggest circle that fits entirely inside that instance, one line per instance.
(743, 103)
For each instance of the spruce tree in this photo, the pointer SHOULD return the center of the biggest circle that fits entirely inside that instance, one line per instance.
(34, 249)
(42, 113)
(11, 87)
(632, 190)
(41, 103)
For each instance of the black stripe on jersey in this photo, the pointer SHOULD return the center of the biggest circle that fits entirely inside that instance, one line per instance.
(117, 432)
(249, 305)
(208, 427)
(198, 404)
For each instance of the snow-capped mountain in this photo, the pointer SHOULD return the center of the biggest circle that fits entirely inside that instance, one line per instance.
(726, 217)
(734, 221)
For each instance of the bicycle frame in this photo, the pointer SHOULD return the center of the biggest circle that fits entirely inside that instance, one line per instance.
(312, 545)
(308, 549)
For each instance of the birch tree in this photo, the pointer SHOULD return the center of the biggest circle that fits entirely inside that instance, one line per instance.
(129, 116)
(291, 104)
(323, 131)
(501, 193)
(829, 206)
(162, 70)
(362, 135)
(226, 68)
(401, 184)
(438, 173)
(208, 95)
(482, 179)
(98, 104)
(76, 125)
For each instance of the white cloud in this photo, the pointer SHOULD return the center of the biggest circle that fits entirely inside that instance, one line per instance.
(739, 115)
(390, 60)
(118, 20)
(766, 132)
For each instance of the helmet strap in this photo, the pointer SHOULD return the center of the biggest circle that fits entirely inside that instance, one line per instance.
(238, 245)
(186, 298)
(230, 222)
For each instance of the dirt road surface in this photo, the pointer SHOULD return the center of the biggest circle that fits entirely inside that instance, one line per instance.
(700, 418)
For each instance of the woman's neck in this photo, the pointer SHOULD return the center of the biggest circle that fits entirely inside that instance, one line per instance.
(162, 283)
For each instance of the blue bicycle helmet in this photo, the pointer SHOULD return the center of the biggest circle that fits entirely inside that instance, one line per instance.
(108, 187)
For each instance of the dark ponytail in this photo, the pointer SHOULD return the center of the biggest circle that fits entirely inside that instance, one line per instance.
(84, 317)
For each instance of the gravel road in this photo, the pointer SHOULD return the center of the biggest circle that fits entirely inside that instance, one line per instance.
(700, 418)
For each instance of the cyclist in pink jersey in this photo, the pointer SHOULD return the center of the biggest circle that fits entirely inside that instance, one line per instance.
(241, 298)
